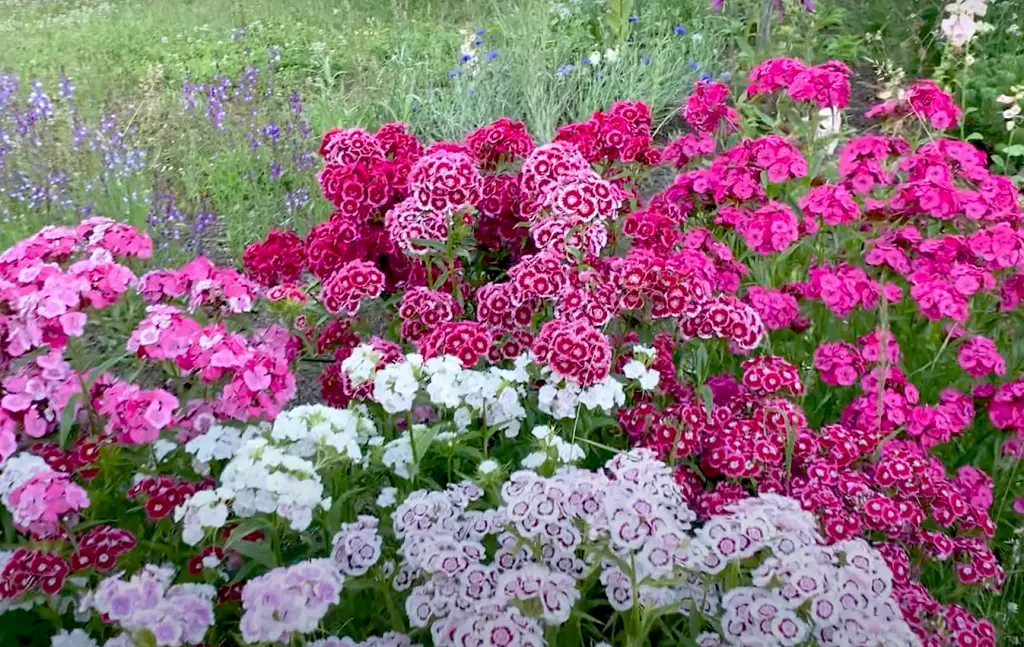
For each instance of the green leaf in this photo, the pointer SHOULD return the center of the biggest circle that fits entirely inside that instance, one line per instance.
(99, 370)
(1016, 150)
(258, 551)
(423, 438)
(244, 528)
(975, 137)
(67, 418)
(144, 638)
(709, 399)
(428, 242)
(7, 521)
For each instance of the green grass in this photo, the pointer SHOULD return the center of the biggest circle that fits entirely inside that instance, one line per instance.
(355, 62)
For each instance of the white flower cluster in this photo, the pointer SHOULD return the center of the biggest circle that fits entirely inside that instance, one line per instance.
(1013, 103)
(390, 639)
(356, 547)
(270, 470)
(219, 443)
(552, 447)
(261, 478)
(310, 430)
(630, 523)
(361, 365)
(395, 386)
(646, 377)
(560, 398)
(493, 396)
(17, 470)
(839, 595)
(73, 638)
(961, 25)
(398, 454)
(461, 599)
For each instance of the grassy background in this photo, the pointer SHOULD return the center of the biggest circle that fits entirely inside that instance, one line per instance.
(354, 62)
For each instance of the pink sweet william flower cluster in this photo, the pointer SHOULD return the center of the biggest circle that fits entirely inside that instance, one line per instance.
(924, 101)
(201, 285)
(253, 373)
(45, 304)
(35, 396)
(40, 499)
(136, 415)
(706, 108)
(826, 85)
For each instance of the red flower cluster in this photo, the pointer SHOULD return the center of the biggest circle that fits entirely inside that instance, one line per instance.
(163, 494)
(671, 286)
(278, 259)
(706, 108)
(726, 317)
(358, 189)
(78, 458)
(422, 310)
(408, 224)
(344, 291)
(100, 547)
(621, 134)
(26, 570)
(498, 214)
(445, 182)
(501, 142)
(574, 350)
(350, 146)
(768, 374)
(467, 340)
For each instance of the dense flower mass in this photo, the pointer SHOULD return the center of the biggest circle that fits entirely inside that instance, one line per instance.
(743, 407)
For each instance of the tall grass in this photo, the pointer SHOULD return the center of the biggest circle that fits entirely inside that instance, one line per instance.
(209, 189)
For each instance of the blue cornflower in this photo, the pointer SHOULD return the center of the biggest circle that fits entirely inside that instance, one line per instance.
(478, 42)
(479, 32)
(693, 65)
(454, 73)
(725, 76)
(465, 58)
(646, 59)
(680, 30)
(705, 77)
(599, 76)
(563, 70)
(585, 60)
(493, 54)
(470, 92)
(633, 19)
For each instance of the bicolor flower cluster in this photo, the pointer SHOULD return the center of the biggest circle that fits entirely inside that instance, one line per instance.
(767, 357)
